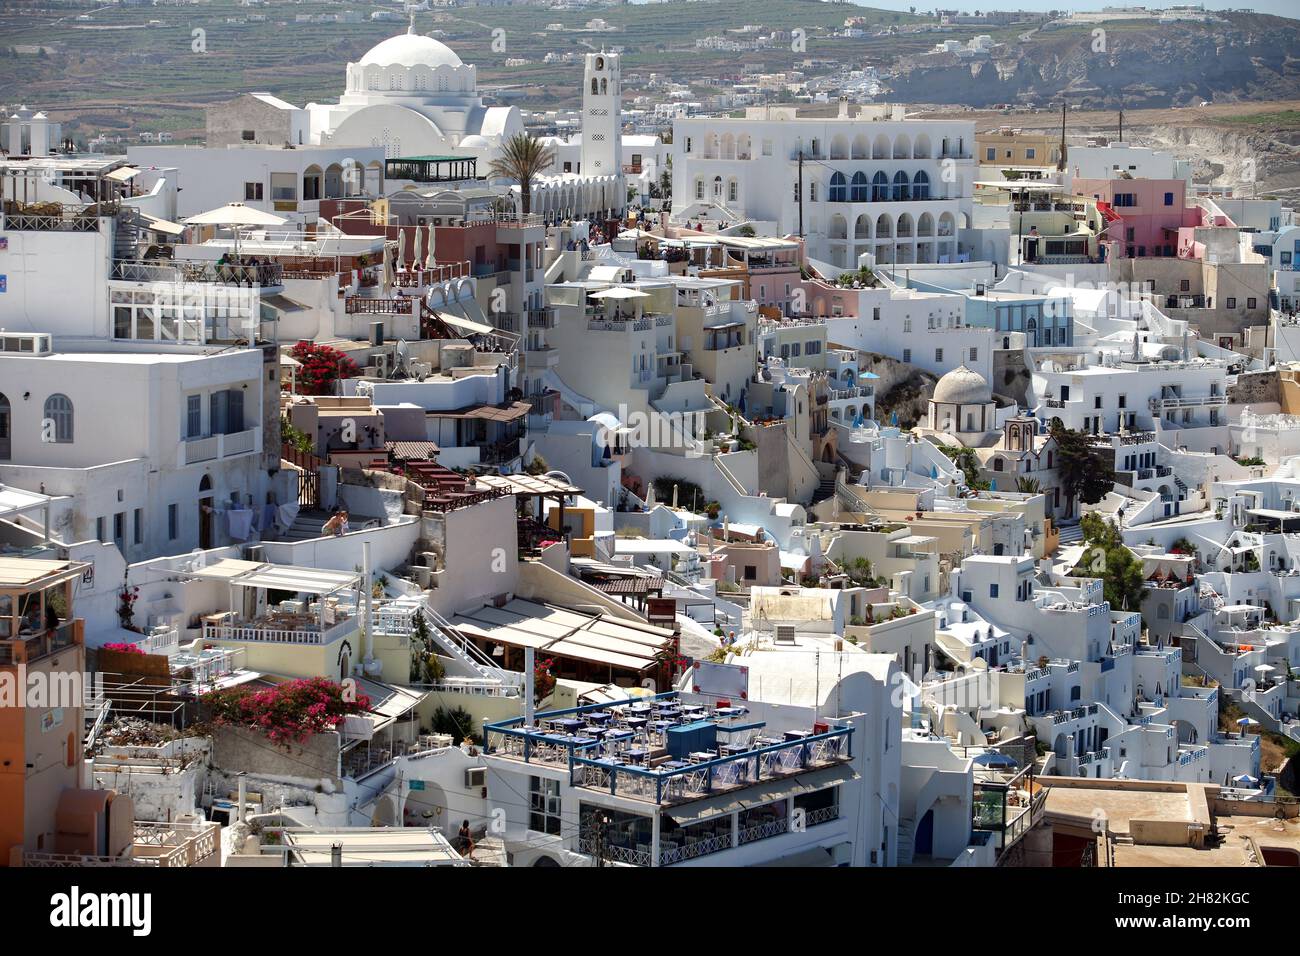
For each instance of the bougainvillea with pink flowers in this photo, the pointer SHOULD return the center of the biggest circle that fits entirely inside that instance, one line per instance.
(294, 710)
(123, 648)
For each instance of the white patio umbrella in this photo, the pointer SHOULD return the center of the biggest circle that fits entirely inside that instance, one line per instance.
(619, 292)
(428, 259)
(416, 258)
(235, 216)
(1265, 668)
(401, 251)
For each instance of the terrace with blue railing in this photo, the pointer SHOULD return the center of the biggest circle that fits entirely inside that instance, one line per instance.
(665, 749)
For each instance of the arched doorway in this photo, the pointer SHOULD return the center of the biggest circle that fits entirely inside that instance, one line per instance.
(206, 513)
(924, 844)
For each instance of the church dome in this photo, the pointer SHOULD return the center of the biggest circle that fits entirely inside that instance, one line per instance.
(963, 386)
(474, 141)
(411, 49)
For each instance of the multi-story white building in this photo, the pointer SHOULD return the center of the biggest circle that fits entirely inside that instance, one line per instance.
(1123, 394)
(814, 779)
(153, 446)
(872, 183)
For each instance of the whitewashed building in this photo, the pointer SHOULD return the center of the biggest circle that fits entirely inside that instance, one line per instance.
(873, 183)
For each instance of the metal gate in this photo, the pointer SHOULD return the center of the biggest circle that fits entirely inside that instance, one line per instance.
(308, 475)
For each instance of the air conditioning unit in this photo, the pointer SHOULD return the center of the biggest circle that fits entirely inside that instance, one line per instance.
(475, 777)
(785, 634)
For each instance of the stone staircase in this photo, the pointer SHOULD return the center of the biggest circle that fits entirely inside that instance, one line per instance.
(906, 842)
(1071, 534)
(306, 525)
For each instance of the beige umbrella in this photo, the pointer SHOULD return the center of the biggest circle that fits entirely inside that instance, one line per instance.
(235, 216)
(429, 260)
(416, 258)
(401, 251)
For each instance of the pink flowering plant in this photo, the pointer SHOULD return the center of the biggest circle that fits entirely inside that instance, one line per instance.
(124, 648)
(292, 711)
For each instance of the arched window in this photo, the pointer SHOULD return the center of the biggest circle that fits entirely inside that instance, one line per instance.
(839, 191)
(858, 191)
(595, 86)
(58, 409)
(699, 189)
(901, 191)
(604, 86)
(921, 186)
(880, 187)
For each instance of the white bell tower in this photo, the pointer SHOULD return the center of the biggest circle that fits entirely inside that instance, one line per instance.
(602, 153)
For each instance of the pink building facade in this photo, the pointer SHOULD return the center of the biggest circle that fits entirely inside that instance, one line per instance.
(1144, 216)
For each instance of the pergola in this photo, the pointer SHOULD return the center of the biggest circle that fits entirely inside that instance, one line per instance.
(278, 577)
(16, 503)
(431, 169)
(538, 487)
(27, 585)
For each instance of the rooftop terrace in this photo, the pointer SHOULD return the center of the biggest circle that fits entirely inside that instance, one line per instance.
(666, 750)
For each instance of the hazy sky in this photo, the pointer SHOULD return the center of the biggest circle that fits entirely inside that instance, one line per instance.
(1281, 8)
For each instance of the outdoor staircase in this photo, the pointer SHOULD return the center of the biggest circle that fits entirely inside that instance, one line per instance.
(825, 489)
(1182, 487)
(456, 645)
(1071, 534)
(306, 525)
(906, 842)
(126, 235)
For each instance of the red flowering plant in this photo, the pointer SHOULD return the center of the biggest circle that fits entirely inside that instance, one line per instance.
(294, 710)
(543, 679)
(126, 599)
(123, 648)
(321, 367)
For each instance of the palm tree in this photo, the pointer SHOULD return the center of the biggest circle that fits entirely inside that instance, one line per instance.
(522, 159)
(1027, 486)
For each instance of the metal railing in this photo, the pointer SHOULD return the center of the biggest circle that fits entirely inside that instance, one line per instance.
(362, 305)
(198, 270)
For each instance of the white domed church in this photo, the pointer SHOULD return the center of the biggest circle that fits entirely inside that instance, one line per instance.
(964, 411)
(413, 96)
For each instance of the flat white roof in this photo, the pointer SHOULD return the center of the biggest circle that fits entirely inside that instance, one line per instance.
(378, 846)
(650, 546)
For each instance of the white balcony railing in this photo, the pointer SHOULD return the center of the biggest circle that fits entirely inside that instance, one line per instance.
(256, 634)
(216, 447)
